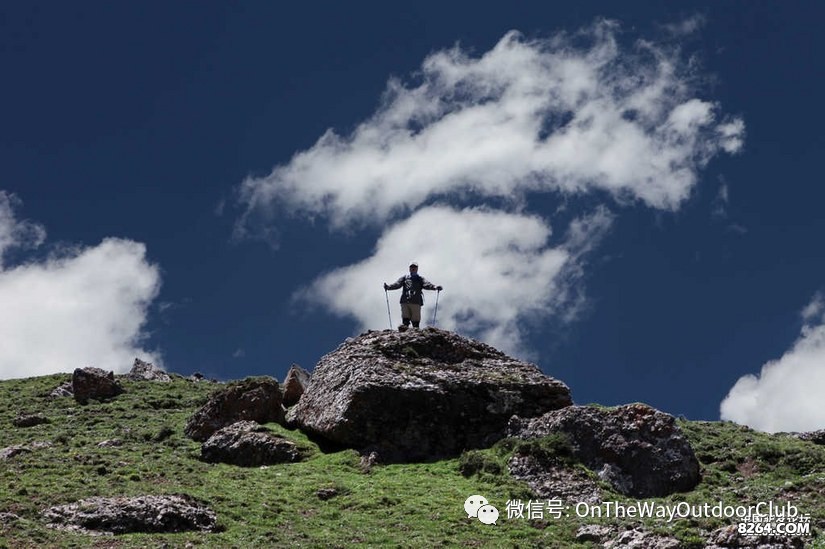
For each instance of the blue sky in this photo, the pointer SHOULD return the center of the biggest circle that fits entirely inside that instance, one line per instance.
(627, 194)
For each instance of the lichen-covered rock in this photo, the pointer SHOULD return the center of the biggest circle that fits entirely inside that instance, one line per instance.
(550, 480)
(123, 515)
(295, 384)
(144, 371)
(638, 449)
(94, 383)
(254, 399)
(248, 444)
(421, 394)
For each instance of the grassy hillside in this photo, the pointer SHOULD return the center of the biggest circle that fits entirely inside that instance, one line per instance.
(414, 505)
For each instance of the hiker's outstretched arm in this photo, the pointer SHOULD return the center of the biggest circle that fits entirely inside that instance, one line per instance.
(397, 284)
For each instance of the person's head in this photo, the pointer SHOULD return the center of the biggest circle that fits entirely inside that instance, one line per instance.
(413, 267)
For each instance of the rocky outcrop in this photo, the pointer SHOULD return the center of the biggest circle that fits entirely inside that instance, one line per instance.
(421, 394)
(638, 449)
(248, 444)
(817, 437)
(295, 384)
(94, 384)
(62, 390)
(144, 371)
(123, 515)
(253, 399)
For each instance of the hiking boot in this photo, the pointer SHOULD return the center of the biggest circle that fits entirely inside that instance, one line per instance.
(403, 328)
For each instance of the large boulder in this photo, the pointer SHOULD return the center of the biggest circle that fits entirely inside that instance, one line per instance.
(255, 399)
(248, 444)
(421, 394)
(122, 515)
(94, 383)
(295, 384)
(638, 449)
(144, 371)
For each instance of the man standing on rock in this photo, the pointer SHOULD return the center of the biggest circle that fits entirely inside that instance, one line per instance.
(412, 295)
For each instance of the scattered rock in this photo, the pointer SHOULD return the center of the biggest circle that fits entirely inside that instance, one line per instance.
(62, 390)
(326, 493)
(368, 461)
(6, 518)
(549, 480)
(248, 444)
(198, 377)
(595, 533)
(638, 538)
(817, 437)
(40, 444)
(144, 371)
(729, 536)
(94, 383)
(111, 443)
(295, 384)
(422, 394)
(122, 515)
(638, 449)
(12, 451)
(29, 420)
(254, 399)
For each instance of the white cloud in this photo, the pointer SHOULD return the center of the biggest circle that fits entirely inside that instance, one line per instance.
(498, 271)
(527, 116)
(687, 26)
(86, 307)
(815, 309)
(787, 394)
(15, 233)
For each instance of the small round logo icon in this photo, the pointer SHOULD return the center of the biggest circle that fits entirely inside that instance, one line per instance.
(473, 504)
(488, 514)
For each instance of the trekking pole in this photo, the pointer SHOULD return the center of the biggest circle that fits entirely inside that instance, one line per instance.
(388, 307)
(436, 306)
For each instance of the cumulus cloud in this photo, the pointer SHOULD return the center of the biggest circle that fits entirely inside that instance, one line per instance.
(16, 233)
(815, 309)
(83, 307)
(571, 113)
(787, 394)
(498, 270)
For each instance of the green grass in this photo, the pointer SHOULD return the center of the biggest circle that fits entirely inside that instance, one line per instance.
(409, 505)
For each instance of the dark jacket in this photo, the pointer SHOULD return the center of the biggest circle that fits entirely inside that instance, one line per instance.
(411, 288)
